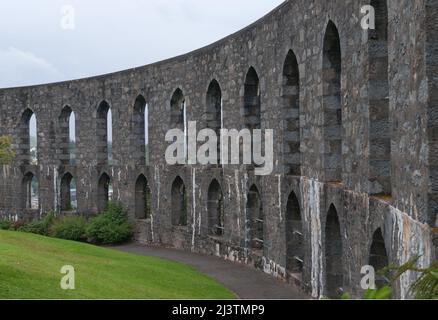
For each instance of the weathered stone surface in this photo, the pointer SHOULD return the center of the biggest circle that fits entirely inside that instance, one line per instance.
(407, 177)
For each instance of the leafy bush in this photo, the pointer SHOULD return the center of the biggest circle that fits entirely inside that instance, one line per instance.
(110, 227)
(41, 227)
(69, 228)
(6, 225)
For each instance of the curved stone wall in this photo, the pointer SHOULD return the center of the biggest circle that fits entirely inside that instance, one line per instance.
(321, 235)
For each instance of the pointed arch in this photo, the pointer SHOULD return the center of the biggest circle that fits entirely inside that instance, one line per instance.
(294, 236)
(333, 255)
(30, 192)
(104, 192)
(143, 198)
(252, 107)
(104, 133)
(68, 192)
(215, 209)
(379, 256)
(378, 91)
(332, 130)
(255, 220)
(214, 111)
(179, 202)
(67, 136)
(28, 138)
(178, 116)
(291, 113)
(140, 130)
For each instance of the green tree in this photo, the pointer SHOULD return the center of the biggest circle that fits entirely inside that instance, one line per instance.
(6, 151)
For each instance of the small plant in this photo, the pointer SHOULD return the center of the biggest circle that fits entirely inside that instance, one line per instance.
(110, 227)
(40, 227)
(6, 151)
(6, 225)
(69, 228)
(426, 286)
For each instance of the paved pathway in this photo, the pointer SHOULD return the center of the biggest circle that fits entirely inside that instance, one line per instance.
(246, 282)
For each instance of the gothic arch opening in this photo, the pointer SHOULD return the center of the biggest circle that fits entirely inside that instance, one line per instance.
(215, 208)
(333, 255)
(179, 203)
(104, 192)
(214, 112)
(255, 220)
(28, 138)
(104, 134)
(332, 130)
(291, 113)
(141, 131)
(252, 109)
(178, 115)
(30, 192)
(143, 198)
(294, 236)
(378, 91)
(68, 193)
(378, 257)
(67, 136)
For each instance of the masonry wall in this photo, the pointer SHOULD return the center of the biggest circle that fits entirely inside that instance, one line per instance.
(406, 216)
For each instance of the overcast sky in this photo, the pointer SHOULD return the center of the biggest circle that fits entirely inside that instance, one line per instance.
(37, 44)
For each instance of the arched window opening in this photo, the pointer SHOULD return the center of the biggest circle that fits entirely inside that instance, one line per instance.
(378, 92)
(255, 220)
(141, 131)
(104, 134)
(294, 236)
(179, 203)
(178, 116)
(214, 112)
(291, 104)
(333, 255)
(68, 193)
(30, 187)
(104, 192)
(332, 105)
(67, 135)
(143, 198)
(28, 138)
(379, 257)
(252, 112)
(215, 208)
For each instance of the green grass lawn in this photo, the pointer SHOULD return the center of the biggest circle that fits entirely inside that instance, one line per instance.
(30, 269)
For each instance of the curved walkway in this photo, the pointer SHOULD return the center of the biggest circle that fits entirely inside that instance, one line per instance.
(244, 281)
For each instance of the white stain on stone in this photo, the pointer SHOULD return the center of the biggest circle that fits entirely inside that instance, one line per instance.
(310, 190)
(279, 198)
(410, 238)
(193, 207)
(56, 204)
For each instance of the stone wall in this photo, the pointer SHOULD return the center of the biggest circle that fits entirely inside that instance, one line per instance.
(331, 94)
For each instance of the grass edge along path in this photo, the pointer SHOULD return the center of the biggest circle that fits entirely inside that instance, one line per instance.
(30, 268)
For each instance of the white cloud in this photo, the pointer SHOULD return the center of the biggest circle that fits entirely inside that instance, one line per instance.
(21, 67)
(110, 35)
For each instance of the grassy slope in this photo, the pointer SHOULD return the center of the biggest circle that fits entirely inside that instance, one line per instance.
(30, 268)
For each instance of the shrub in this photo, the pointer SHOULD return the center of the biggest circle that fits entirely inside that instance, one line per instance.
(110, 227)
(39, 227)
(6, 225)
(69, 228)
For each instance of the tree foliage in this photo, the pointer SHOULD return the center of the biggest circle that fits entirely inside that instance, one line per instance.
(6, 151)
